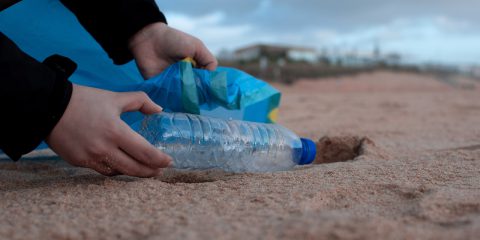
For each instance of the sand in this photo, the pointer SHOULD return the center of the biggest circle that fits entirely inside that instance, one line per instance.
(400, 154)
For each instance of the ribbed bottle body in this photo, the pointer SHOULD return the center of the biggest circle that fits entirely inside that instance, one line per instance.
(199, 142)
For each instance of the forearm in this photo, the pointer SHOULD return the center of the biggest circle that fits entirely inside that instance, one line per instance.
(113, 22)
(33, 97)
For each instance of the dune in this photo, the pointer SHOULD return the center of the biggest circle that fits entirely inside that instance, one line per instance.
(399, 158)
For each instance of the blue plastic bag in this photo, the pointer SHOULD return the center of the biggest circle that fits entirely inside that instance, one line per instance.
(182, 88)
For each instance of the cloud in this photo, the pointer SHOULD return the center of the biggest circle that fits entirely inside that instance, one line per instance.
(433, 30)
(209, 29)
(437, 39)
(338, 14)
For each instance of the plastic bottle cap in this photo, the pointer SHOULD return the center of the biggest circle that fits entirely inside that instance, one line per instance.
(309, 151)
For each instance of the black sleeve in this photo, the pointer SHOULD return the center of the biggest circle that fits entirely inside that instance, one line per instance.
(113, 22)
(33, 97)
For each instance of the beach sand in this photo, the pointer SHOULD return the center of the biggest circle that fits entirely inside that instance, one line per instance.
(400, 154)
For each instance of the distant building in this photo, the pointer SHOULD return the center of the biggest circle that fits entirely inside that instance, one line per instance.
(302, 54)
(366, 59)
(225, 55)
(276, 52)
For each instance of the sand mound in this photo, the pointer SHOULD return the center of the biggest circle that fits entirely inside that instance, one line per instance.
(345, 148)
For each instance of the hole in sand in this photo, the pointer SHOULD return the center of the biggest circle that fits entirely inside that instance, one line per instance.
(344, 148)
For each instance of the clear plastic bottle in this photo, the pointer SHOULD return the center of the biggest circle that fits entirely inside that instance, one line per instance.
(199, 142)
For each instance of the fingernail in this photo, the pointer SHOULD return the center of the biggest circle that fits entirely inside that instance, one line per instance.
(159, 171)
(170, 163)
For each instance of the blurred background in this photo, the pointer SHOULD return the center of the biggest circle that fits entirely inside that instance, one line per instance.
(284, 39)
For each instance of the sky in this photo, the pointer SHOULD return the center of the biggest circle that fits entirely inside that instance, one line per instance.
(434, 31)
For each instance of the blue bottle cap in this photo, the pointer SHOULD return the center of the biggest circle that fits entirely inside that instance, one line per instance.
(309, 151)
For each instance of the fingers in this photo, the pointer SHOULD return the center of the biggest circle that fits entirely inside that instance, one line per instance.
(204, 57)
(129, 154)
(106, 170)
(124, 164)
(138, 101)
(141, 150)
(104, 166)
(132, 154)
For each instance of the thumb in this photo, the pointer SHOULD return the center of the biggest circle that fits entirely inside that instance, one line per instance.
(138, 101)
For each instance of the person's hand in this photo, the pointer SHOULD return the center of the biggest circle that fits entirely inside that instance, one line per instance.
(91, 134)
(157, 46)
